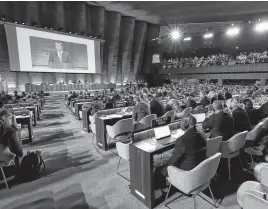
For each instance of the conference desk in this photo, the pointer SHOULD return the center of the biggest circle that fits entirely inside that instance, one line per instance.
(102, 121)
(26, 120)
(32, 109)
(142, 169)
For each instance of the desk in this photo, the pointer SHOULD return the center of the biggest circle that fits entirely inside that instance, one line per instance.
(26, 120)
(142, 171)
(32, 109)
(101, 123)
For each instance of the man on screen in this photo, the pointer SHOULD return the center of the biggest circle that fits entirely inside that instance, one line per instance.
(59, 59)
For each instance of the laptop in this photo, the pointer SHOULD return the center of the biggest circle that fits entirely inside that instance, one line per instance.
(163, 135)
(200, 117)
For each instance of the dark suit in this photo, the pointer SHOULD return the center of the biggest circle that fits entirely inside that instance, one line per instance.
(254, 116)
(190, 103)
(264, 110)
(205, 101)
(220, 124)
(190, 150)
(157, 108)
(241, 120)
(140, 111)
(228, 95)
(54, 61)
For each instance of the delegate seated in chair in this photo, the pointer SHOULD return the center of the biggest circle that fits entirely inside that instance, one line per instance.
(8, 136)
(190, 150)
(140, 110)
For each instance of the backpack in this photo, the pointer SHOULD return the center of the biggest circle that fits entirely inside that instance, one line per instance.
(31, 167)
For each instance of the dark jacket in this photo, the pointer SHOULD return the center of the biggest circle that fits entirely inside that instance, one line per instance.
(254, 116)
(190, 103)
(205, 101)
(190, 150)
(241, 120)
(54, 61)
(157, 108)
(228, 95)
(220, 124)
(8, 138)
(140, 111)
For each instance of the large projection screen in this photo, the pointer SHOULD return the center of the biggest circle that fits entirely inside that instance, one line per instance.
(33, 50)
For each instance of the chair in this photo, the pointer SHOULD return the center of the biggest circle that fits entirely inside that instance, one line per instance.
(265, 125)
(195, 181)
(184, 113)
(257, 170)
(6, 157)
(121, 129)
(170, 113)
(231, 148)
(147, 120)
(139, 126)
(92, 120)
(213, 145)
(254, 199)
(123, 153)
(254, 134)
(253, 188)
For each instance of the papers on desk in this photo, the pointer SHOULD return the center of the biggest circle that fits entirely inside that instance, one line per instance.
(114, 116)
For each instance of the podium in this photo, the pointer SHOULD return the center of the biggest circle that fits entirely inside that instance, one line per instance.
(3, 86)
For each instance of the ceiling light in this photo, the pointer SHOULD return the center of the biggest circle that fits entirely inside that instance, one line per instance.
(261, 27)
(187, 39)
(233, 31)
(208, 35)
(175, 35)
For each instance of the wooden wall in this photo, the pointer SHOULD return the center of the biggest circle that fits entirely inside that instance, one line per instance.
(123, 55)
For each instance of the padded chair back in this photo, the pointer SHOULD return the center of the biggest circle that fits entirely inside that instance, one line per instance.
(234, 144)
(92, 118)
(140, 136)
(199, 111)
(264, 176)
(252, 200)
(199, 107)
(185, 112)
(254, 134)
(190, 181)
(265, 124)
(121, 127)
(139, 126)
(147, 120)
(213, 145)
(170, 113)
(123, 150)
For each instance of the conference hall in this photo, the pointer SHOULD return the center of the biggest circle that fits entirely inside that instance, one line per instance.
(133, 104)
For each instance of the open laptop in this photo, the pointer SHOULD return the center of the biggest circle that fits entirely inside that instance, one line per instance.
(200, 117)
(163, 135)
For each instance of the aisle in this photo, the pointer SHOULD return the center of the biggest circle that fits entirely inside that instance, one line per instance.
(77, 176)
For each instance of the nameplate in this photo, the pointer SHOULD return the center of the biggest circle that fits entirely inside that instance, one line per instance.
(140, 194)
(100, 144)
(161, 121)
(119, 104)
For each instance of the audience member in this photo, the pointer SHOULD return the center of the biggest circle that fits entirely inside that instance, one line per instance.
(140, 110)
(156, 106)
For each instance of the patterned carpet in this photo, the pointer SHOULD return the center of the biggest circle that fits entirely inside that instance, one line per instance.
(78, 176)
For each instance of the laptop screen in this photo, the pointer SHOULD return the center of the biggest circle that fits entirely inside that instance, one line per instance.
(162, 132)
(200, 117)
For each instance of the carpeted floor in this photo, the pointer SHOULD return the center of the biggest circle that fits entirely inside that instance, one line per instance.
(78, 176)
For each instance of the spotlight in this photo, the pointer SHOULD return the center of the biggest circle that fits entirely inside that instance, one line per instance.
(175, 35)
(208, 35)
(261, 27)
(99, 37)
(82, 33)
(3, 18)
(232, 24)
(23, 23)
(259, 20)
(76, 33)
(90, 36)
(70, 32)
(233, 31)
(16, 22)
(249, 21)
(34, 24)
(187, 39)
(237, 47)
(51, 28)
(45, 26)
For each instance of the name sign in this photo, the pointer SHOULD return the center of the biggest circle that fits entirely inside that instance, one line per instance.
(120, 104)
(161, 121)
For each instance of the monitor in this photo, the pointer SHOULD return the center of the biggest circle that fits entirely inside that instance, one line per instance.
(162, 132)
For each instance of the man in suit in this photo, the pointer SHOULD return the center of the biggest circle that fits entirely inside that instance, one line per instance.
(140, 110)
(59, 58)
(189, 101)
(156, 106)
(190, 150)
(205, 100)
(219, 123)
(240, 116)
(253, 114)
